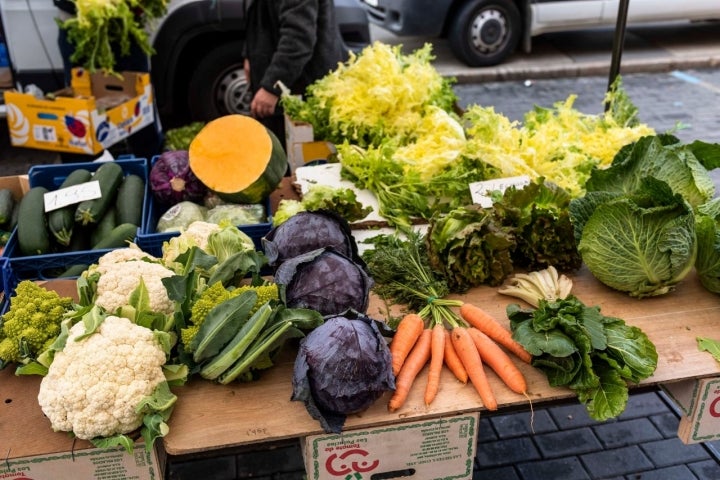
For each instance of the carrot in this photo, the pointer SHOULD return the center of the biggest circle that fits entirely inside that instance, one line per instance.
(480, 319)
(437, 347)
(407, 333)
(467, 351)
(496, 358)
(416, 360)
(453, 361)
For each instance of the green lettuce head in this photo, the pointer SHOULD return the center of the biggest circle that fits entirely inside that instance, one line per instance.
(642, 243)
(707, 263)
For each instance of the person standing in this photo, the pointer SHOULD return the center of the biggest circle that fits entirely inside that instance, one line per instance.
(295, 42)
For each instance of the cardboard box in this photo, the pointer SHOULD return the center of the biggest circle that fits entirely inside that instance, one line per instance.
(96, 112)
(683, 394)
(33, 451)
(430, 449)
(702, 423)
(302, 148)
(18, 185)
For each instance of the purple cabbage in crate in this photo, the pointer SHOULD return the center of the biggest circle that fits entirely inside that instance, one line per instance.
(342, 367)
(172, 181)
(307, 231)
(326, 281)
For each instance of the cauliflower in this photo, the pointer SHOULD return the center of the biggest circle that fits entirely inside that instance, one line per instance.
(117, 281)
(132, 252)
(31, 323)
(96, 386)
(195, 235)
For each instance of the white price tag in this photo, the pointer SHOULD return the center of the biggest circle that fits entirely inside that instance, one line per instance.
(70, 195)
(481, 191)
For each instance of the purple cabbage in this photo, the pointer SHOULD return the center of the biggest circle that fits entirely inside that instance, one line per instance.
(326, 281)
(342, 368)
(172, 181)
(307, 231)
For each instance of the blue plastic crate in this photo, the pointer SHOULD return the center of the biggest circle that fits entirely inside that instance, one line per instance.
(151, 241)
(21, 267)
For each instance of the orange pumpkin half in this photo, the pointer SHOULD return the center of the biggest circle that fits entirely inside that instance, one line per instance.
(238, 158)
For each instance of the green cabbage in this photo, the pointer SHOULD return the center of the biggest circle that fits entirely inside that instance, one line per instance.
(707, 263)
(642, 243)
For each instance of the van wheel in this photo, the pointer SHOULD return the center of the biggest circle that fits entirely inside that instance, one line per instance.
(218, 86)
(485, 32)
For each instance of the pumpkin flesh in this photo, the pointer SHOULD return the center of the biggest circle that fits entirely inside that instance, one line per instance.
(238, 158)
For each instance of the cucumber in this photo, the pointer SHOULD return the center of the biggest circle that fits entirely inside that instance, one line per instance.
(129, 200)
(80, 239)
(119, 237)
(104, 226)
(7, 203)
(74, 270)
(62, 220)
(109, 175)
(32, 231)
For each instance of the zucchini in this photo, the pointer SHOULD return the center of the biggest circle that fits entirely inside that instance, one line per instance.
(119, 237)
(32, 231)
(62, 220)
(109, 175)
(80, 239)
(7, 203)
(104, 226)
(74, 270)
(129, 200)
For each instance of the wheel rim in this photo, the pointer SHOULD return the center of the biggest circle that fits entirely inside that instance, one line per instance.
(488, 31)
(233, 93)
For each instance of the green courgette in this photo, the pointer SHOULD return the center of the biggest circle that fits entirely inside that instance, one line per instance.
(109, 176)
(103, 228)
(32, 231)
(130, 198)
(237, 346)
(220, 324)
(74, 270)
(119, 237)
(62, 220)
(7, 203)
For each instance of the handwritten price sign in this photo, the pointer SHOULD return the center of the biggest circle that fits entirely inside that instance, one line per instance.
(71, 195)
(481, 191)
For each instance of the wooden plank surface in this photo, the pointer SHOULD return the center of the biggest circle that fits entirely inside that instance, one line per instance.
(210, 417)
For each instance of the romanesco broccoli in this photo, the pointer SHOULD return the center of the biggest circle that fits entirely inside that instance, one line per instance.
(31, 323)
(214, 295)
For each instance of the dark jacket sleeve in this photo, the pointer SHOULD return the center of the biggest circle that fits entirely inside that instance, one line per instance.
(66, 6)
(296, 39)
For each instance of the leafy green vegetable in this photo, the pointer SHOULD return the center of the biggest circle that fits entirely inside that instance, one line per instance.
(400, 86)
(179, 138)
(662, 157)
(103, 27)
(578, 347)
(342, 201)
(470, 247)
(707, 227)
(709, 345)
(641, 243)
(539, 218)
(561, 144)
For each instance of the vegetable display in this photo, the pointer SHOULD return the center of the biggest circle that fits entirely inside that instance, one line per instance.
(238, 158)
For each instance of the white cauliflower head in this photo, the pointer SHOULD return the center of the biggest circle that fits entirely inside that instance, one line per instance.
(118, 280)
(195, 235)
(94, 385)
(131, 252)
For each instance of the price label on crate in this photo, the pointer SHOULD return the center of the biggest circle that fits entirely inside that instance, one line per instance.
(63, 197)
(481, 192)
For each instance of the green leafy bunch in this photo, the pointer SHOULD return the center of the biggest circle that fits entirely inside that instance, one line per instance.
(578, 347)
(103, 29)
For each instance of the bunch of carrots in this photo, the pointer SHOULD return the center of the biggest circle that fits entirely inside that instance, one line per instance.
(465, 348)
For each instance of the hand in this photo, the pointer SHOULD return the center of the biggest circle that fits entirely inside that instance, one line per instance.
(263, 103)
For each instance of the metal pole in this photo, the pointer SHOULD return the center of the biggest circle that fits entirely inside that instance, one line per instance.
(618, 42)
